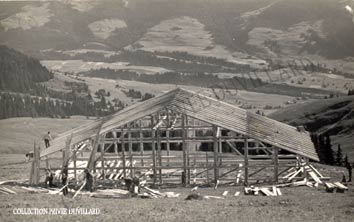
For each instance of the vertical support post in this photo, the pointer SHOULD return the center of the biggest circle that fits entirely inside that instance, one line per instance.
(123, 153)
(184, 147)
(306, 175)
(91, 163)
(220, 145)
(168, 138)
(74, 161)
(46, 162)
(130, 149)
(102, 160)
(34, 175)
(187, 151)
(153, 150)
(215, 148)
(246, 159)
(276, 164)
(115, 141)
(141, 143)
(207, 166)
(38, 164)
(158, 140)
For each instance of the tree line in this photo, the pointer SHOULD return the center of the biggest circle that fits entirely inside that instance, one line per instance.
(16, 105)
(20, 73)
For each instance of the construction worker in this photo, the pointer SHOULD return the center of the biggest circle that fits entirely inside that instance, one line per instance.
(89, 186)
(49, 178)
(47, 138)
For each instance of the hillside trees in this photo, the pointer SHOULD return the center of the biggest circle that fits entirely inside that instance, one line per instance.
(324, 148)
(20, 73)
(16, 105)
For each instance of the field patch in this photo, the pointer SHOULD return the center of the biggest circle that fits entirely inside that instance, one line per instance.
(186, 34)
(29, 17)
(291, 41)
(104, 28)
(18, 134)
(76, 66)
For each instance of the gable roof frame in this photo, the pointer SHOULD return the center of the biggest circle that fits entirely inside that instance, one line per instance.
(206, 109)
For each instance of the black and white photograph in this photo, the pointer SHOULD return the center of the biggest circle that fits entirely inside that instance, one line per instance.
(177, 110)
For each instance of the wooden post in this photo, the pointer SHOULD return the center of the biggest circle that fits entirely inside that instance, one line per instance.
(74, 161)
(187, 151)
(306, 175)
(91, 163)
(123, 154)
(168, 138)
(102, 160)
(130, 150)
(35, 174)
(215, 147)
(46, 162)
(153, 150)
(66, 153)
(246, 159)
(184, 149)
(220, 145)
(115, 141)
(168, 146)
(276, 164)
(141, 143)
(158, 140)
(207, 166)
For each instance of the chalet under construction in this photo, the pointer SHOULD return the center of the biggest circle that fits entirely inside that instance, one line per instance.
(180, 137)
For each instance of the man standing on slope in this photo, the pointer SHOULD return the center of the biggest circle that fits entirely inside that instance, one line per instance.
(47, 138)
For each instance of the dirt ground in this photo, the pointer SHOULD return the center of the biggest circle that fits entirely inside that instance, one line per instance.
(296, 203)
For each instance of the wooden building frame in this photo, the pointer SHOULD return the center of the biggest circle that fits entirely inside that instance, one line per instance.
(187, 138)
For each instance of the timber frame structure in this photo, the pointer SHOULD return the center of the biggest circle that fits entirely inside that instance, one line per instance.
(183, 137)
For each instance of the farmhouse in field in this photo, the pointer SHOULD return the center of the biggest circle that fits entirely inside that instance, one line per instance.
(181, 137)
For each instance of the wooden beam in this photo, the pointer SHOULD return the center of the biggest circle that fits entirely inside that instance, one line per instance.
(74, 163)
(141, 143)
(187, 149)
(207, 166)
(215, 148)
(168, 138)
(158, 142)
(276, 164)
(130, 150)
(115, 143)
(153, 150)
(159, 154)
(246, 159)
(184, 147)
(123, 154)
(102, 159)
(91, 162)
(234, 148)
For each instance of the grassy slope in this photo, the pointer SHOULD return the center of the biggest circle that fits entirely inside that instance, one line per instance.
(320, 115)
(18, 134)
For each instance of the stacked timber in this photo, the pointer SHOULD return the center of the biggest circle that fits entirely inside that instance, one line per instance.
(336, 186)
(305, 169)
(266, 191)
(5, 190)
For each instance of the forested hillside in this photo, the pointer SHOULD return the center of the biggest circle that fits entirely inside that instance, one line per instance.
(23, 95)
(20, 73)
